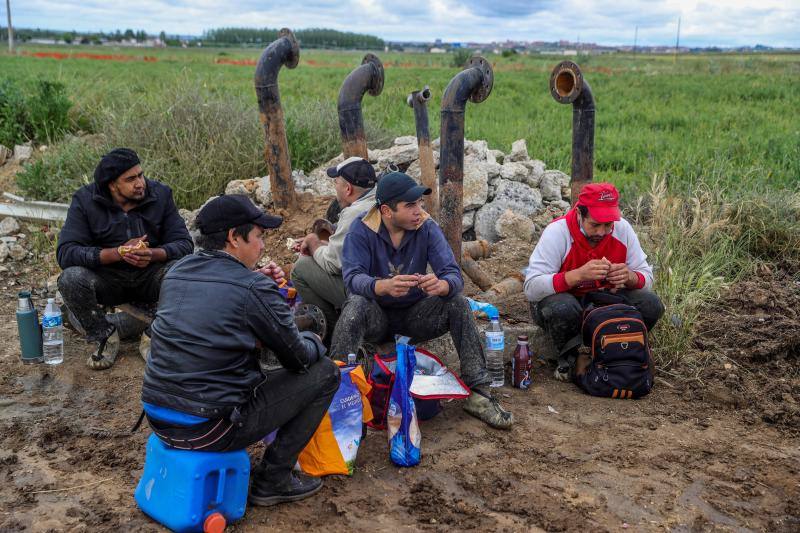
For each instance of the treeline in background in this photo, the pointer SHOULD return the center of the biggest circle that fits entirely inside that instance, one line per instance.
(310, 38)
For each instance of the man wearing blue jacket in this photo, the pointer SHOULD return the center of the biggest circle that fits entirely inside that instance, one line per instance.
(120, 233)
(385, 268)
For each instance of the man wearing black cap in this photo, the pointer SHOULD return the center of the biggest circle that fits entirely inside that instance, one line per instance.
(120, 233)
(385, 267)
(317, 274)
(203, 386)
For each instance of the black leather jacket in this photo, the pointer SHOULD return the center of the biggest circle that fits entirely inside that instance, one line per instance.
(94, 222)
(214, 315)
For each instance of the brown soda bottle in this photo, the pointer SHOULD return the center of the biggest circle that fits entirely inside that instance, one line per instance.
(521, 364)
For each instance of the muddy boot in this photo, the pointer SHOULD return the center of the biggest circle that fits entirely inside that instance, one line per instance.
(106, 353)
(296, 486)
(484, 406)
(144, 347)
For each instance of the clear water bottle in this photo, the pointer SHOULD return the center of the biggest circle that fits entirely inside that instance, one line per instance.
(351, 359)
(52, 334)
(495, 346)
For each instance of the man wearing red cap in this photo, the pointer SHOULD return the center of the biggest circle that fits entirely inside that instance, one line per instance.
(591, 248)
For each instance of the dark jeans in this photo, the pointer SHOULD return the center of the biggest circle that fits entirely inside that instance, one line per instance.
(86, 291)
(318, 287)
(292, 403)
(432, 317)
(560, 315)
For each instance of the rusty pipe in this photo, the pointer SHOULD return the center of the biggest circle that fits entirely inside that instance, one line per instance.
(474, 83)
(503, 289)
(471, 251)
(567, 85)
(366, 78)
(418, 100)
(283, 51)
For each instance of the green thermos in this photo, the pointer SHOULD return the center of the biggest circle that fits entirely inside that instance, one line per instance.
(30, 332)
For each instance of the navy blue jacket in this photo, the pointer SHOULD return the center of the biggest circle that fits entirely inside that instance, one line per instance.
(369, 255)
(214, 316)
(95, 222)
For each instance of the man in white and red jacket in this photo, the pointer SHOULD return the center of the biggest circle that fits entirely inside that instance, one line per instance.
(591, 248)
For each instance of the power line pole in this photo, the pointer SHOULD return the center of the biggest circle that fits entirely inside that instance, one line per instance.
(635, 38)
(10, 29)
(677, 41)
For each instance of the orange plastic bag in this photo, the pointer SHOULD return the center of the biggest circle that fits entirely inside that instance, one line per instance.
(333, 448)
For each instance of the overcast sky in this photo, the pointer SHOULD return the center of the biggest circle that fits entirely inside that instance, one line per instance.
(703, 23)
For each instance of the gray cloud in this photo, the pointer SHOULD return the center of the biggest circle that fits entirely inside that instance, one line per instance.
(737, 22)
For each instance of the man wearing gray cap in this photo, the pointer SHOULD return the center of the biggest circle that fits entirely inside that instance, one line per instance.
(317, 274)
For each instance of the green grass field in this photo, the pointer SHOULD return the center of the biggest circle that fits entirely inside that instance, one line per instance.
(710, 118)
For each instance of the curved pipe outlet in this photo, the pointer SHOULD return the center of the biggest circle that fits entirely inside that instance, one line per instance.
(503, 289)
(366, 78)
(568, 86)
(471, 251)
(284, 51)
(474, 83)
(418, 100)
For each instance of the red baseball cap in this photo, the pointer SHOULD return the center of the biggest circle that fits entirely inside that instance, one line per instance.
(602, 201)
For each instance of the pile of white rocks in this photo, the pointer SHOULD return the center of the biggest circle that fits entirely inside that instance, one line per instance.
(20, 153)
(505, 195)
(12, 242)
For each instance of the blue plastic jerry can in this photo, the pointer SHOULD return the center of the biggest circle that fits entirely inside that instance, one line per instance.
(193, 491)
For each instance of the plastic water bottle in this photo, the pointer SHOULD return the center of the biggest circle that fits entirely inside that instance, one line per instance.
(351, 359)
(52, 334)
(495, 347)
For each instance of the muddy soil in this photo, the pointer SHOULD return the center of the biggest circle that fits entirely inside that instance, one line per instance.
(700, 455)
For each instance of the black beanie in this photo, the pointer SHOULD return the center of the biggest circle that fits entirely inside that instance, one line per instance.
(114, 164)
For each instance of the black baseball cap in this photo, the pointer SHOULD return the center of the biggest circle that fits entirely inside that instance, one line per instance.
(355, 170)
(231, 210)
(398, 186)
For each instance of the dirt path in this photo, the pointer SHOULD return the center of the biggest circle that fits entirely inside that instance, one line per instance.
(670, 461)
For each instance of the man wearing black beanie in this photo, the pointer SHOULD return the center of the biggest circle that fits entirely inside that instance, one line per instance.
(121, 232)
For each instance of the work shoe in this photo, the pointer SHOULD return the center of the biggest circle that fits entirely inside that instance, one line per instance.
(484, 406)
(296, 486)
(105, 355)
(144, 347)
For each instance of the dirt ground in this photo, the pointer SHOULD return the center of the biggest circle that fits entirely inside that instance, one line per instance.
(717, 453)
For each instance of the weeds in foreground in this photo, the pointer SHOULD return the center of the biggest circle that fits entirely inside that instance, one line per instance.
(703, 242)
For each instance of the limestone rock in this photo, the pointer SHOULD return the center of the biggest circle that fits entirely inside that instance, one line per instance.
(467, 221)
(245, 187)
(4, 251)
(17, 252)
(478, 149)
(401, 155)
(551, 189)
(8, 226)
(188, 217)
(5, 154)
(512, 195)
(493, 169)
(22, 152)
(264, 191)
(476, 182)
(519, 151)
(495, 155)
(405, 139)
(512, 225)
(536, 169)
(514, 171)
(320, 185)
(561, 206)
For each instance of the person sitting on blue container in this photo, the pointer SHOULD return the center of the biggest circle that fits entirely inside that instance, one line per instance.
(203, 385)
(390, 291)
(121, 233)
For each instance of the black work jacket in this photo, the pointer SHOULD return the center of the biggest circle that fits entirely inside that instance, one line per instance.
(95, 222)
